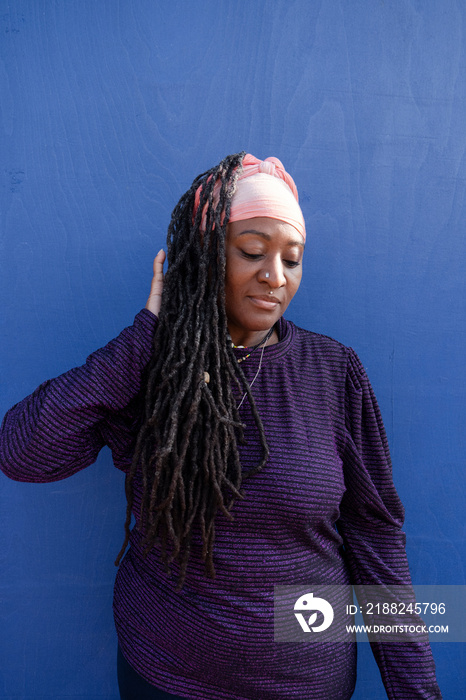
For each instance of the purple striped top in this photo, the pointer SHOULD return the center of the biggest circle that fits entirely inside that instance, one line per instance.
(324, 510)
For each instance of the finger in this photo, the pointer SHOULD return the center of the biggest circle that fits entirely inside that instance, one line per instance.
(155, 296)
(158, 264)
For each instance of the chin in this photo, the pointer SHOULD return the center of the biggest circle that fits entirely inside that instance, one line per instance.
(262, 322)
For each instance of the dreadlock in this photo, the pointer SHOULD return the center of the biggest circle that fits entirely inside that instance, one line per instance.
(187, 448)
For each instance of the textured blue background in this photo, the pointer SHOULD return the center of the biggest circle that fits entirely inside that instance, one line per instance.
(108, 109)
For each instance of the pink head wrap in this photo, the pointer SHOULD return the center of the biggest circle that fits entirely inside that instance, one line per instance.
(264, 188)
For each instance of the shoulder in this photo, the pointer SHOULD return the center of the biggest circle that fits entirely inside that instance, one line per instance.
(330, 357)
(314, 359)
(323, 346)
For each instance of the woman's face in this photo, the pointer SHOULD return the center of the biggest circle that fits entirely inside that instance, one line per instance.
(263, 273)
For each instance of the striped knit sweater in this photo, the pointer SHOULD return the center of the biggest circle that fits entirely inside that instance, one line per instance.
(324, 510)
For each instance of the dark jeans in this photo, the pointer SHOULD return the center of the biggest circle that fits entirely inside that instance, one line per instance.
(133, 687)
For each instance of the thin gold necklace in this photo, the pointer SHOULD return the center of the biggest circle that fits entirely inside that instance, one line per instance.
(264, 341)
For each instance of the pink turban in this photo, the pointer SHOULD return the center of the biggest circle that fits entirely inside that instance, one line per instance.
(264, 188)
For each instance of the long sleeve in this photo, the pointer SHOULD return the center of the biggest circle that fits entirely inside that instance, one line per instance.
(371, 518)
(61, 427)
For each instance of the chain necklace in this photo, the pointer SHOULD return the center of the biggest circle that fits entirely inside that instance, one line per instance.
(263, 342)
(251, 350)
(255, 377)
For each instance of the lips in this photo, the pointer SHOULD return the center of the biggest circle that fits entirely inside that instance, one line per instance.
(266, 302)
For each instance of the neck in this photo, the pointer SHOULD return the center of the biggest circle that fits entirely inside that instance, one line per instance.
(249, 339)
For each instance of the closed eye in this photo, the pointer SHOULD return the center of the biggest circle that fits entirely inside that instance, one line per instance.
(257, 256)
(251, 256)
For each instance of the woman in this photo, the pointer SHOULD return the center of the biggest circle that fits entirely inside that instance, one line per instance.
(254, 454)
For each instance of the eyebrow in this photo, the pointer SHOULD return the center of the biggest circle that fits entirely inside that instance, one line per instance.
(267, 237)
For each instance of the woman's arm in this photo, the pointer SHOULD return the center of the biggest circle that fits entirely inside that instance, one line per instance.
(371, 520)
(61, 427)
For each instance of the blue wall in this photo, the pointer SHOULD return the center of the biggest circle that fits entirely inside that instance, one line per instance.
(107, 111)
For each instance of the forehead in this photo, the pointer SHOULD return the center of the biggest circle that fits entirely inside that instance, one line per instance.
(267, 229)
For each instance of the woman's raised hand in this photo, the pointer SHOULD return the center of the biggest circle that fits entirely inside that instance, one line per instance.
(155, 297)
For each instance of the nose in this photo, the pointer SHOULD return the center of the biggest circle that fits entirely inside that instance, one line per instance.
(274, 273)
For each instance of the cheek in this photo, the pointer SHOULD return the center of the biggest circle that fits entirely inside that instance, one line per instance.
(294, 283)
(234, 279)
(230, 295)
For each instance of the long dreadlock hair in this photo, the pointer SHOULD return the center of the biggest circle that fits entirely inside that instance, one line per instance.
(187, 448)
